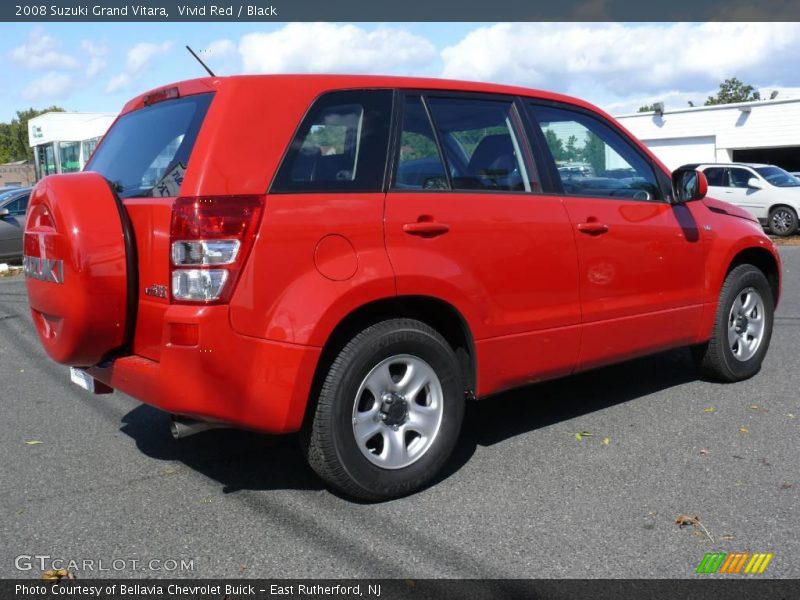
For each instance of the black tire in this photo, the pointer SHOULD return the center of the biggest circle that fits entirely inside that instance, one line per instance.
(330, 441)
(782, 221)
(716, 359)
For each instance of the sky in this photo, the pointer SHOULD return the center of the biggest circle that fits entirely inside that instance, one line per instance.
(618, 66)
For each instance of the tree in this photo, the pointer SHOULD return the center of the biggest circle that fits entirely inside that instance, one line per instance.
(594, 152)
(555, 144)
(571, 149)
(14, 135)
(732, 90)
(647, 108)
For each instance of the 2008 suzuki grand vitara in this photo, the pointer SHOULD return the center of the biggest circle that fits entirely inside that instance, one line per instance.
(353, 256)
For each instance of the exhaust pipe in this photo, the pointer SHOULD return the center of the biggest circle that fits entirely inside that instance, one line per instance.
(181, 427)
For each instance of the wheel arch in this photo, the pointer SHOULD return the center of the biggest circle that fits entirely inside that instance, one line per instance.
(782, 205)
(438, 314)
(765, 261)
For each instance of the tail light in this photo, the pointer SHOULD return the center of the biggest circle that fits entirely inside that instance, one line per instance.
(210, 239)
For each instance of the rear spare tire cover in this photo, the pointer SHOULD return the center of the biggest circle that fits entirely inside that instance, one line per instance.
(76, 267)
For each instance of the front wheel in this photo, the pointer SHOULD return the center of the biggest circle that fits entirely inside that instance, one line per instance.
(389, 411)
(742, 327)
(782, 221)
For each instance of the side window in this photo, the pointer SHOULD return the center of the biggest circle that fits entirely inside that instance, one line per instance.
(18, 206)
(481, 144)
(340, 146)
(419, 165)
(715, 176)
(739, 177)
(592, 158)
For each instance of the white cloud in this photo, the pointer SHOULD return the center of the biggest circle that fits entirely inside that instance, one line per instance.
(614, 62)
(93, 48)
(220, 56)
(219, 49)
(142, 54)
(41, 51)
(119, 82)
(328, 47)
(95, 66)
(138, 60)
(51, 86)
(97, 53)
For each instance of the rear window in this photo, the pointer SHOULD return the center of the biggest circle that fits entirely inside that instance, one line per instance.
(340, 146)
(146, 152)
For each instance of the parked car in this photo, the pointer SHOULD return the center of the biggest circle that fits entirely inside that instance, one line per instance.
(13, 204)
(354, 257)
(768, 192)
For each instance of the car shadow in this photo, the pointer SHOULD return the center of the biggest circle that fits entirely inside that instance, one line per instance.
(239, 460)
(242, 460)
(521, 410)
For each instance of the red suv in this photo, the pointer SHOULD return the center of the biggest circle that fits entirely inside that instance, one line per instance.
(352, 257)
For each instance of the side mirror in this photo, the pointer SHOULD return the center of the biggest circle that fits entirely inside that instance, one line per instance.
(755, 183)
(688, 185)
(4, 212)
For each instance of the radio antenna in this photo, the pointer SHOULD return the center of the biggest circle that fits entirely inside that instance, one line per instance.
(205, 66)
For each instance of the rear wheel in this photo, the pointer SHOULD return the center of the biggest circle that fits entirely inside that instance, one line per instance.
(742, 328)
(389, 411)
(782, 221)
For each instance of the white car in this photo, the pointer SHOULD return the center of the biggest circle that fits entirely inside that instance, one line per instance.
(767, 191)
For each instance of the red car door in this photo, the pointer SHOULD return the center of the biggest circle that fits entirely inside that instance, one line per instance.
(641, 259)
(465, 223)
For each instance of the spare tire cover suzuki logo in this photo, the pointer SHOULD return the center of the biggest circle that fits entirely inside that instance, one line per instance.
(44, 269)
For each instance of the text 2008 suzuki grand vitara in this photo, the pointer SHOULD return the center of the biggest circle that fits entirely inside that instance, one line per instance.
(353, 256)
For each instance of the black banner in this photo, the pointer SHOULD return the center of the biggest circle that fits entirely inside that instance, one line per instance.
(409, 10)
(396, 589)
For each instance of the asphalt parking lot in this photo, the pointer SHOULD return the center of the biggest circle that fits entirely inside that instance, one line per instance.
(99, 478)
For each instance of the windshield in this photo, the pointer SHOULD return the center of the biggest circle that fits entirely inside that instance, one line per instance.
(146, 152)
(778, 177)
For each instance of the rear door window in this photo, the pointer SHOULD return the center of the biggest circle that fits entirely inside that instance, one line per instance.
(740, 177)
(19, 206)
(420, 165)
(341, 144)
(715, 176)
(146, 152)
(482, 145)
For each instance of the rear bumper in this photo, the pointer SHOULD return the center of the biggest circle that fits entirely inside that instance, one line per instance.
(248, 382)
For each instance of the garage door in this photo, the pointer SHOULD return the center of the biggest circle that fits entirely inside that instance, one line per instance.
(786, 158)
(680, 151)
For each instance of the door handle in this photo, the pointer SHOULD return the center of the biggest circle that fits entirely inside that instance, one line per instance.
(592, 228)
(426, 229)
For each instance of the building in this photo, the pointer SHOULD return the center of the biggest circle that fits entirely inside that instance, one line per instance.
(62, 142)
(763, 131)
(17, 174)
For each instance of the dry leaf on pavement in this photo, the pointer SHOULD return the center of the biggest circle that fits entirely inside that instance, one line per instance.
(694, 521)
(57, 575)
